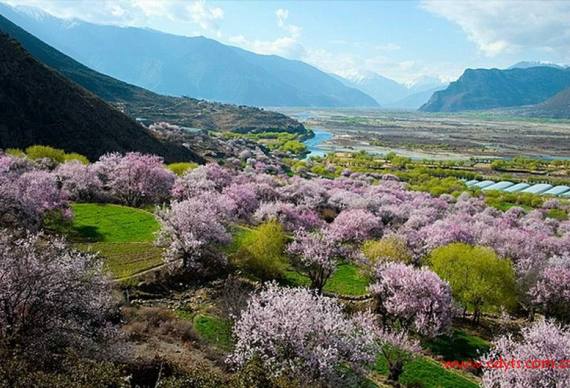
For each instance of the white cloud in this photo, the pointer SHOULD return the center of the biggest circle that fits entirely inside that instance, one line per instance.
(282, 15)
(287, 46)
(131, 12)
(350, 65)
(498, 27)
(206, 17)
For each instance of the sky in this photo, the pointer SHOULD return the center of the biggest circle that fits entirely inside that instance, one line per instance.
(402, 40)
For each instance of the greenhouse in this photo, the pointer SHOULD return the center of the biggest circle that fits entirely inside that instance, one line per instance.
(499, 186)
(516, 188)
(538, 188)
(483, 184)
(557, 190)
(471, 182)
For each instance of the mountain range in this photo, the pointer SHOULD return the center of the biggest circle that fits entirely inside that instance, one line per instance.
(392, 94)
(528, 64)
(180, 66)
(140, 103)
(479, 89)
(40, 106)
(188, 66)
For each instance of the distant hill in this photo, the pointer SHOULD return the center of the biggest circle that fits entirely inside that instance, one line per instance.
(494, 88)
(189, 66)
(415, 100)
(141, 103)
(392, 94)
(557, 106)
(384, 90)
(528, 64)
(40, 106)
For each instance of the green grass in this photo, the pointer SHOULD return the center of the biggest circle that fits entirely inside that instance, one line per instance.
(557, 214)
(239, 233)
(125, 259)
(459, 345)
(214, 330)
(112, 223)
(347, 280)
(294, 278)
(427, 373)
(122, 235)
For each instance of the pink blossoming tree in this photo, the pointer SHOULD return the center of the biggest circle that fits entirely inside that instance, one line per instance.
(544, 341)
(191, 231)
(135, 179)
(298, 333)
(417, 299)
(50, 295)
(318, 254)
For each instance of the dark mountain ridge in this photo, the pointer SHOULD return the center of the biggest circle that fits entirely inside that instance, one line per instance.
(40, 106)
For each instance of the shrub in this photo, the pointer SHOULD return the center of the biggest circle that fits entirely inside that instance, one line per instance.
(479, 279)
(261, 251)
(389, 249)
(294, 146)
(69, 370)
(75, 156)
(36, 152)
(15, 152)
(147, 322)
(197, 375)
(181, 168)
(252, 375)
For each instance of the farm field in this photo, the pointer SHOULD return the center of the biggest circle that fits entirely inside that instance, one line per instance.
(123, 236)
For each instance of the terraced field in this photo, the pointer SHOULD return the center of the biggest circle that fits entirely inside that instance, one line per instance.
(123, 236)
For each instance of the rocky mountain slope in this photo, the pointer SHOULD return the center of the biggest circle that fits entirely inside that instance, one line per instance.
(557, 106)
(40, 106)
(479, 89)
(141, 103)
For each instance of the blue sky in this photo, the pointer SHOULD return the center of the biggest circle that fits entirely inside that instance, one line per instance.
(403, 40)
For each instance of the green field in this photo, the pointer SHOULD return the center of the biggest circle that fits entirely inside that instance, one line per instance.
(214, 330)
(428, 373)
(458, 345)
(346, 280)
(123, 236)
(112, 223)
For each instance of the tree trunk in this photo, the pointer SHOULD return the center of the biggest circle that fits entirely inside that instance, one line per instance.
(396, 370)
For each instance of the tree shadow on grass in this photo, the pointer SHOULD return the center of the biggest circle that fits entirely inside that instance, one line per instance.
(460, 346)
(86, 233)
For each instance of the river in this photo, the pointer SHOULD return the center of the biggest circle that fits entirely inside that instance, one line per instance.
(313, 144)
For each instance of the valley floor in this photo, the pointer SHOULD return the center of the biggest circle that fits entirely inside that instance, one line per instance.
(438, 136)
